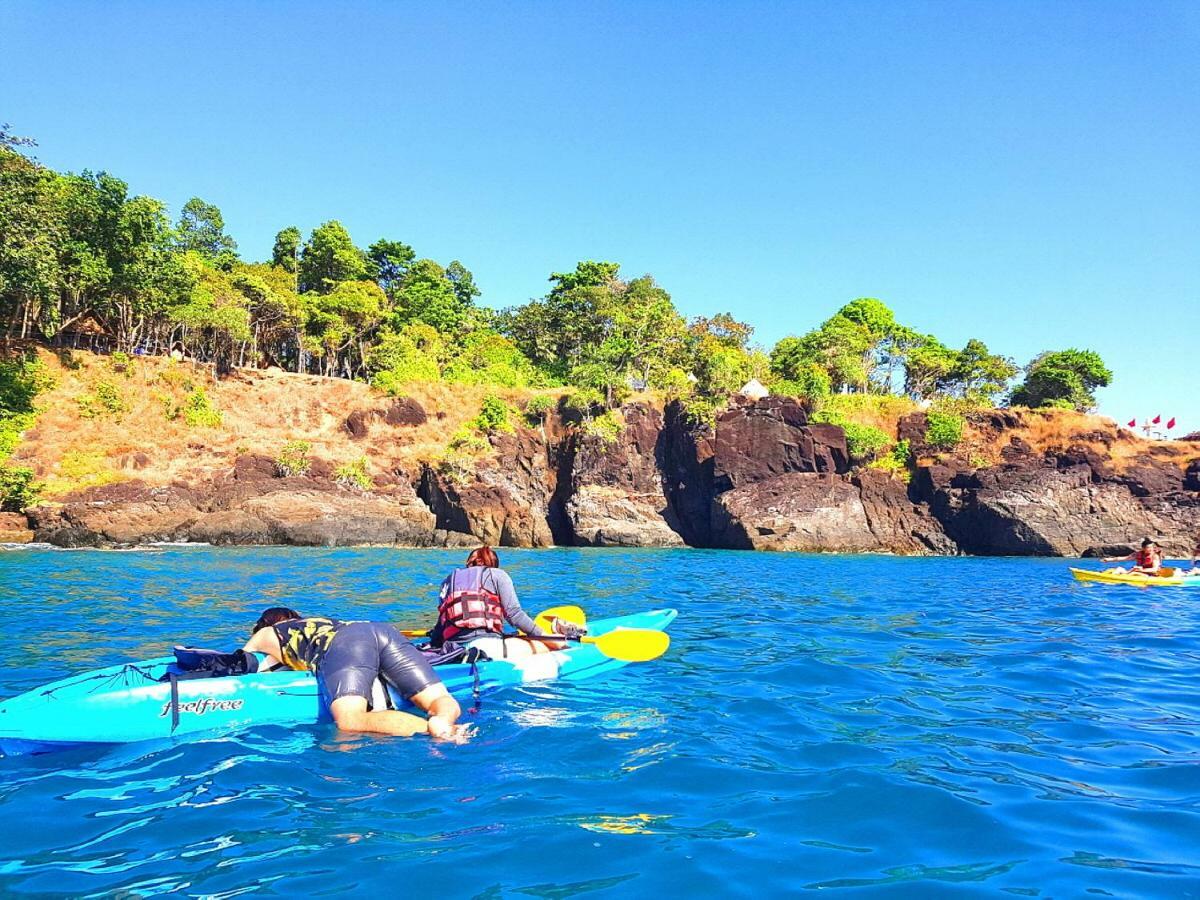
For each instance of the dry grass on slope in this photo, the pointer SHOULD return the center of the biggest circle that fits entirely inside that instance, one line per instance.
(1057, 429)
(100, 424)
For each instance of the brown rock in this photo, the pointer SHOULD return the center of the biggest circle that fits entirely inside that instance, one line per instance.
(1191, 481)
(405, 411)
(812, 512)
(900, 524)
(687, 473)
(618, 497)
(317, 518)
(14, 529)
(771, 437)
(505, 501)
(252, 467)
(1036, 510)
(357, 424)
(126, 513)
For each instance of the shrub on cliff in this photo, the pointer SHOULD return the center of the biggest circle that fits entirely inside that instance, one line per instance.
(863, 442)
(198, 410)
(21, 380)
(537, 407)
(17, 488)
(104, 400)
(896, 461)
(494, 415)
(701, 412)
(944, 430)
(293, 459)
(80, 469)
(605, 427)
(353, 474)
(583, 403)
(809, 383)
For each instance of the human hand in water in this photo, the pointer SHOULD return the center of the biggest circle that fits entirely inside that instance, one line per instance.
(440, 729)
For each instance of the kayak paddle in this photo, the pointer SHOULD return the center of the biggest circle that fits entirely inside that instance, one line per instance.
(625, 644)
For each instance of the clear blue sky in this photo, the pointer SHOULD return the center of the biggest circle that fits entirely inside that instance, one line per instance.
(1027, 173)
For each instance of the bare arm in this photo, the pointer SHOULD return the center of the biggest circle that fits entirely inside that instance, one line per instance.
(512, 606)
(265, 641)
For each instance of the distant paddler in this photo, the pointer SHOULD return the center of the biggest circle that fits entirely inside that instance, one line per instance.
(347, 657)
(475, 603)
(1147, 561)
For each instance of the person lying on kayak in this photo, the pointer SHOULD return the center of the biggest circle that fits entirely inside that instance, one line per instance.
(347, 657)
(1146, 561)
(474, 604)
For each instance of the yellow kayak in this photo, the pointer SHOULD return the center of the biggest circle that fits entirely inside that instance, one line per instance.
(1140, 580)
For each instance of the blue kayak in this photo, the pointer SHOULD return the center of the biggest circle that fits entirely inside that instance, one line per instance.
(128, 702)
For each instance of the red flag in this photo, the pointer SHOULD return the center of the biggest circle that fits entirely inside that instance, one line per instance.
(1156, 420)
(1171, 424)
(1133, 423)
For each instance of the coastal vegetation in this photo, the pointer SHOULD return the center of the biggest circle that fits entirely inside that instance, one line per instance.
(85, 262)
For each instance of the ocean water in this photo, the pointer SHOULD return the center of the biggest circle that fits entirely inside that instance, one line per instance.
(857, 726)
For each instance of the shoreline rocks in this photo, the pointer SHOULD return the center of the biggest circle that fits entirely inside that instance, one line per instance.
(764, 477)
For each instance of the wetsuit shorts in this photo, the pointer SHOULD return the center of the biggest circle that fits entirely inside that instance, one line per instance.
(364, 651)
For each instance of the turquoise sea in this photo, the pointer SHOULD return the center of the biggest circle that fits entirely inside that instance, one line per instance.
(859, 725)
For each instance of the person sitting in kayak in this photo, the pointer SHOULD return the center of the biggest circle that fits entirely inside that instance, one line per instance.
(1195, 569)
(347, 657)
(474, 604)
(1146, 561)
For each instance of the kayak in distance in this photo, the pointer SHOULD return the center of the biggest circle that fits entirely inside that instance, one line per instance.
(138, 701)
(1172, 580)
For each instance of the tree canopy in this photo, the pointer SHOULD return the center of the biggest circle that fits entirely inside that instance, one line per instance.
(1062, 378)
(79, 249)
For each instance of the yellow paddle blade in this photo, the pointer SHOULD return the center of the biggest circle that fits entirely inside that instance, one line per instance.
(572, 614)
(414, 632)
(631, 644)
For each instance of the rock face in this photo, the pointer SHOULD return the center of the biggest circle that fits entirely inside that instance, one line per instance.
(1058, 507)
(403, 411)
(795, 511)
(762, 477)
(618, 497)
(771, 437)
(249, 506)
(506, 501)
(14, 529)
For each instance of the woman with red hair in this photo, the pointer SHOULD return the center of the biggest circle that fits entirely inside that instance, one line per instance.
(476, 602)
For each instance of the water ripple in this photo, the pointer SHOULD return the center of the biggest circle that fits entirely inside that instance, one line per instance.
(851, 724)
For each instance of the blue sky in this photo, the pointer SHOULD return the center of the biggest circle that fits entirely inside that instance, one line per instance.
(1026, 173)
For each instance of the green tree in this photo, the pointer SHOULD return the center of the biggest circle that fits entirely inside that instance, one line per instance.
(201, 229)
(286, 252)
(330, 257)
(1063, 378)
(277, 314)
(339, 322)
(462, 282)
(215, 309)
(30, 236)
(927, 366)
(721, 329)
(978, 374)
(391, 260)
(427, 295)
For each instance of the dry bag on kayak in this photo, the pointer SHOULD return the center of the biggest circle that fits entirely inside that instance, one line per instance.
(192, 662)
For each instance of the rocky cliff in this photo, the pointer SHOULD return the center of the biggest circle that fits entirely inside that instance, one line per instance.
(764, 477)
